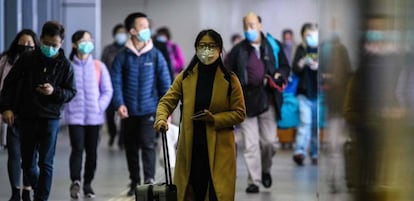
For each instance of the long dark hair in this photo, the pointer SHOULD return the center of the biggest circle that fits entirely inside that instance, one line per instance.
(219, 42)
(12, 53)
(75, 38)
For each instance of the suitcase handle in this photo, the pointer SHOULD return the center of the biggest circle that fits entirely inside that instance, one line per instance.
(168, 178)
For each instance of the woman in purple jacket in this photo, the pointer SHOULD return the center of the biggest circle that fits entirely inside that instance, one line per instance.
(85, 113)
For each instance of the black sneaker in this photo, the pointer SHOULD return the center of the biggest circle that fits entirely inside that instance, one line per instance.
(131, 190)
(298, 158)
(26, 195)
(252, 189)
(314, 161)
(15, 195)
(88, 191)
(75, 190)
(111, 141)
(267, 180)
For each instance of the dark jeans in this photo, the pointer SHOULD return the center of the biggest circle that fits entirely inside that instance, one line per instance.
(111, 124)
(139, 134)
(14, 158)
(83, 138)
(39, 135)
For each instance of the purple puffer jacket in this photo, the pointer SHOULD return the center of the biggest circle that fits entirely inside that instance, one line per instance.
(91, 100)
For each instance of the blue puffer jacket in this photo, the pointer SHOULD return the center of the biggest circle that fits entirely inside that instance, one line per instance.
(133, 79)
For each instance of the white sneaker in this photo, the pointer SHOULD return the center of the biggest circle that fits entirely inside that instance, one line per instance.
(75, 189)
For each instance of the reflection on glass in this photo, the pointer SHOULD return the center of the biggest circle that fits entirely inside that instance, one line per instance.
(369, 91)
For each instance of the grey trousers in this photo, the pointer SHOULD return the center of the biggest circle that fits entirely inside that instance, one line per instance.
(259, 139)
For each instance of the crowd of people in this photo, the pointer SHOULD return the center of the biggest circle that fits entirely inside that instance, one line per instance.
(140, 80)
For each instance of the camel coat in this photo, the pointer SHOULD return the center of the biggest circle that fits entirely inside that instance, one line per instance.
(227, 111)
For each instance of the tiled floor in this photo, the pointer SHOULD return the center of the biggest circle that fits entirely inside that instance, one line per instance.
(290, 183)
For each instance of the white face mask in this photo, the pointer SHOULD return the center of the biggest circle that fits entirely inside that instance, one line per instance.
(312, 39)
(207, 56)
(162, 38)
(121, 38)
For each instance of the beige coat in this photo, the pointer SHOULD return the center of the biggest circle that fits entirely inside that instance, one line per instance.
(227, 111)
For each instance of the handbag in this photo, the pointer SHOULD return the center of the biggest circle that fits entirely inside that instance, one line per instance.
(276, 84)
(159, 192)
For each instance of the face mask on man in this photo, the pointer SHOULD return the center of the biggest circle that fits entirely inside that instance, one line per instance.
(121, 38)
(85, 47)
(251, 35)
(49, 51)
(207, 56)
(144, 35)
(23, 48)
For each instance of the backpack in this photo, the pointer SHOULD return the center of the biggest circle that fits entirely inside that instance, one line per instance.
(275, 48)
(98, 70)
(275, 51)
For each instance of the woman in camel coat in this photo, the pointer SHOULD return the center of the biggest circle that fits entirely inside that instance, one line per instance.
(206, 156)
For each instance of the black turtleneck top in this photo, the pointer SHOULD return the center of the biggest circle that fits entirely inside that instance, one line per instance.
(200, 169)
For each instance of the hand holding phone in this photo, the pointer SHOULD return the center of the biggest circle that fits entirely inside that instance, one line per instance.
(199, 114)
(203, 115)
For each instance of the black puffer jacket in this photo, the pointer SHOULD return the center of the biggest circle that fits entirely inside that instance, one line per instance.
(237, 61)
(19, 92)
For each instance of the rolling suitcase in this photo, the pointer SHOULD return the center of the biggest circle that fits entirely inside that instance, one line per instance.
(286, 137)
(159, 192)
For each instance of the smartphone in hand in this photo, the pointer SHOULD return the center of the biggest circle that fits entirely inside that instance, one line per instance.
(199, 114)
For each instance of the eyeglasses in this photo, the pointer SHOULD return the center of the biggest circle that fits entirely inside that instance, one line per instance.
(211, 46)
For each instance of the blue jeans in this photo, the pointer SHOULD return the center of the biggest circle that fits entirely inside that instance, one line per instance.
(14, 158)
(308, 128)
(39, 135)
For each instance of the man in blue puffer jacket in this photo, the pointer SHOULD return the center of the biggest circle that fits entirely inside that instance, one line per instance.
(140, 77)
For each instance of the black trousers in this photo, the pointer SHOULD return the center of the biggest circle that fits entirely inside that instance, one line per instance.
(200, 177)
(111, 125)
(83, 138)
(140, 135)
(110, 121)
